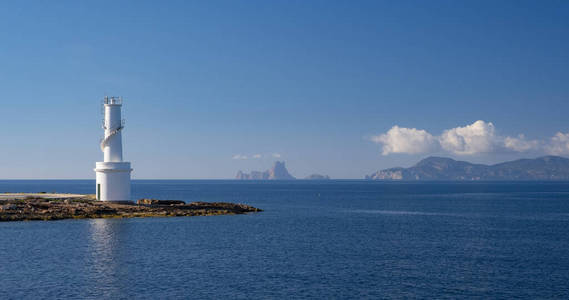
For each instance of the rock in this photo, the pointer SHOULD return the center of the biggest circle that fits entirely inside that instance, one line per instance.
(240, 175)
(86, 208)
(8, 207)
(317, 177)
(159, 202)
(277, 172)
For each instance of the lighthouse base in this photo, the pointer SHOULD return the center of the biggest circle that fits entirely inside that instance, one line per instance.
(113, 181)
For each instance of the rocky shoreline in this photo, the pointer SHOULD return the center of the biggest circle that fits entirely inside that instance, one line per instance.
(44, 208)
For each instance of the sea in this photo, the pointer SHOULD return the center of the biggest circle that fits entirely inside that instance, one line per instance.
(337, 239)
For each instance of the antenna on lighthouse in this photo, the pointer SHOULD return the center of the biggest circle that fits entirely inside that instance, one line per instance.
(112, 174)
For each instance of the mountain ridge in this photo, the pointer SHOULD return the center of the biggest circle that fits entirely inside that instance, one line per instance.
(444, 168)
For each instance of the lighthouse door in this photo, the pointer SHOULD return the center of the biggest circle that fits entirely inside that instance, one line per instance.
(98, 191)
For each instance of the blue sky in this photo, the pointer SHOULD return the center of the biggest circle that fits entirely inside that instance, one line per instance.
(320, 83)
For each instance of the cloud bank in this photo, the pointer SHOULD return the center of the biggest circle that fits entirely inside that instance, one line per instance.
(477, 138)
(255, 156)
(406, 140)
(559, 144)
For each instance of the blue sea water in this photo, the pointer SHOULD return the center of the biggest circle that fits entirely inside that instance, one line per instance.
(328, 239)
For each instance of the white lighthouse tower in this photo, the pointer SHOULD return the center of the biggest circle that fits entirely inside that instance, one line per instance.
(112, 174)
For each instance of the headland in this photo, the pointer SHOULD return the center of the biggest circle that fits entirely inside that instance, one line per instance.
(44, 206)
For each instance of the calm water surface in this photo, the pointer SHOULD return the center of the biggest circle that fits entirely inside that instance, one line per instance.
(337, 239)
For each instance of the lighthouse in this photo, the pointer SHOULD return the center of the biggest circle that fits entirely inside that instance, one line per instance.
(112, 174)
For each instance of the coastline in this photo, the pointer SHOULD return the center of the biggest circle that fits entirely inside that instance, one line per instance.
(46, 207)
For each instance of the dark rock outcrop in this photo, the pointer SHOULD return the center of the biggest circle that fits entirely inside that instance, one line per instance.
(277, 172)
(441, 168)
(159, 202)
(85, 208)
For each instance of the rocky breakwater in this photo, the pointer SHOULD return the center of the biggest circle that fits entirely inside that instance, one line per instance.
(38, 208)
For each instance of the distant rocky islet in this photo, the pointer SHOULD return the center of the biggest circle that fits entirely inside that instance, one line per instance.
(277, 172)
(317, 177)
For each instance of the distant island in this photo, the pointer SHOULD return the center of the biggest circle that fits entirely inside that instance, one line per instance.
(277, 172)
(442, 168)
(317, 177)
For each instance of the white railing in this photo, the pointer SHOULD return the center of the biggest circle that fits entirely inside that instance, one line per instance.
(106, 140)
(104, 124)
(112, 100)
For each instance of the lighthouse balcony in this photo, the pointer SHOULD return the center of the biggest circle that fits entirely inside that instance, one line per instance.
(112, 100)
(108, 167)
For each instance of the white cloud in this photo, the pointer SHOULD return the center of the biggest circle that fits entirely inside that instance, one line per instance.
(520, 144)
(405, 140)
(255, 156)
(559, 144)
(478, 137)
